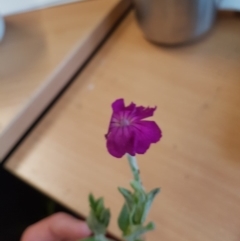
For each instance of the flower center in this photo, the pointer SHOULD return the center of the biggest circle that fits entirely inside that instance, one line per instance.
(124, 122)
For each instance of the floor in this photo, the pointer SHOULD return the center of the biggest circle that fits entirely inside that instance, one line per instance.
(20, 206)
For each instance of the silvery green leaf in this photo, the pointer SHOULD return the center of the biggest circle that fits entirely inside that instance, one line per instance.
(140, 199)
(146, 208)
(140, 231)
(123, 219)
(139, 194)
(99, 206)
(128, 196)
(137, 217)
(150, 226)
(106, 217)
(96, 238)
(88, 239)
(91, 201)
(95, 226)
(131, 214)
(101, 238)
(99, 216)
(136, 186)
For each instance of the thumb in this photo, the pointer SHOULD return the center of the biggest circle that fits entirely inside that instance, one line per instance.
(59, 226)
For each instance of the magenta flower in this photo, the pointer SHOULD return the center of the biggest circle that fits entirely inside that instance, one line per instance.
(128, 132)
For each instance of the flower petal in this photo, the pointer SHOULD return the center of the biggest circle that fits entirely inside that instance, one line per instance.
(142, 112)
(118, 105)
(120, 141)
(146, 133)
(131, 107)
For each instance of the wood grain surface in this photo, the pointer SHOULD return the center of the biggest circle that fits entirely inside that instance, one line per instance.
(41, 52)
(197, 163)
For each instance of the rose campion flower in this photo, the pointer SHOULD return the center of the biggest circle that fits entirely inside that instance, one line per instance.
(128, 132)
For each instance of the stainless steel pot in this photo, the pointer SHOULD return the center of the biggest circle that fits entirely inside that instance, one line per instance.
(175, 21)
(2, 27)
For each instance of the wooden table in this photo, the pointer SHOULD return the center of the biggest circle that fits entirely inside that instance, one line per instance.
(197, 163)
(40, 52)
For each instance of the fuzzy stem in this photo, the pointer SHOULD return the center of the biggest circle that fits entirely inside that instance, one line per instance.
(134, 167)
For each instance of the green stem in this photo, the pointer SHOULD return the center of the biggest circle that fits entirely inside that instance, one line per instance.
(134, 167)
(101, 237)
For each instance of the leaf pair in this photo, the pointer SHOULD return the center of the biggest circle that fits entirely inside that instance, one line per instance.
(99, 217)
(135, 210)
(139, 231)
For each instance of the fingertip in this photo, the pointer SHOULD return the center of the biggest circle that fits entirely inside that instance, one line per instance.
(83, 229)
(67, 226)
(57, 227)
